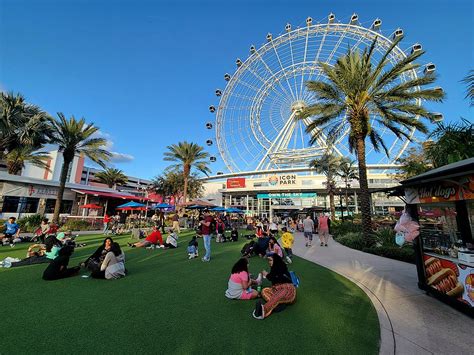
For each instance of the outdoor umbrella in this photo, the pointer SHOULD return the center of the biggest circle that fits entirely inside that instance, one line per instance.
(218, 209)
(234, 210)
(162, 206)
(131, 204)
(196, 207)
(91, 206)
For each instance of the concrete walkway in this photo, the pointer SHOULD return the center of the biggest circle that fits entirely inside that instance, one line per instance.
(411, 322)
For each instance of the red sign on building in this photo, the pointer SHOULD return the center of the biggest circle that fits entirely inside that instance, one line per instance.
(235, 183)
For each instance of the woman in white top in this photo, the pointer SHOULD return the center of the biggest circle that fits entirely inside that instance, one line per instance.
(171, 241)
(113, 266)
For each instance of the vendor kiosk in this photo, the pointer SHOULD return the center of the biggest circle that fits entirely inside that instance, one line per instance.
(442, 201)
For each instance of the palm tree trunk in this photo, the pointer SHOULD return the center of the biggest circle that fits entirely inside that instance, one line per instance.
(364, 189)
(62, 185)
(186, 171)
(332, 205)
(347, 203)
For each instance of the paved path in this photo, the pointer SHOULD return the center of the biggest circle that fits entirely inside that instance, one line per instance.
(411, 322)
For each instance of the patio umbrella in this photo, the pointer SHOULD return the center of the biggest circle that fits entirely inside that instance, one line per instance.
(91, 206)
(218, 209)
(131, 204)
(234, 210)
(162, 206)
(196, 207)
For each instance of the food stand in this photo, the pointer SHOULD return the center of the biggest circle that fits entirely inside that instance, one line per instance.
(442, 201)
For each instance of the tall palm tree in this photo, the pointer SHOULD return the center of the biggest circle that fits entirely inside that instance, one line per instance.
(17, 157)
(187, 156)
(111, 177)
(21, 123)
(75, 137)
(328, 164)
(360, 95)
(347, 172)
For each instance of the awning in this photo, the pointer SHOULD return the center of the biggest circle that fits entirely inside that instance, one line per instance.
(109, 194)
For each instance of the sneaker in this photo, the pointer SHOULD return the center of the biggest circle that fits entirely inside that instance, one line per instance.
(259, 279)
(258, 313)
(306, 244)
(12, 245)
(288, 260)
(206, 260)
(325, 245)
(321, 244)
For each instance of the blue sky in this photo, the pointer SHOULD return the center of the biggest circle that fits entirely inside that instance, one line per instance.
(145, 72)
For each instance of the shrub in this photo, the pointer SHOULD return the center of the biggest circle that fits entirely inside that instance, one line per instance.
(385, 237)
(352, 240)
(340, 228)
(77, 225)
(30, 223)
(406, 254)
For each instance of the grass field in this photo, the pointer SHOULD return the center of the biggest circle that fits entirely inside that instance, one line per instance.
(169, 304)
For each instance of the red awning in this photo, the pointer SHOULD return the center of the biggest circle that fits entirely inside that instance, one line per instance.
(111, 195)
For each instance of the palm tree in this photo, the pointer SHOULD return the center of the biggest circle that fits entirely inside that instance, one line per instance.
(328, 165)
(347, 172)
(469, 81)
(111, 177)
(187, 156)
(75, 137)
(413, 162)
(17, 157)
(455, 142)
(21, 124)
(360, 95)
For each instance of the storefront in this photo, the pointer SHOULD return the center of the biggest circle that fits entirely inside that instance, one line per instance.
(442, 200)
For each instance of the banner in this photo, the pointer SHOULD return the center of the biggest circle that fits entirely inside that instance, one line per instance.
(288, 195)
(442, 191)
(236, 183)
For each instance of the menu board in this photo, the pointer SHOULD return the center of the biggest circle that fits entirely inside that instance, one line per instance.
(455, 280)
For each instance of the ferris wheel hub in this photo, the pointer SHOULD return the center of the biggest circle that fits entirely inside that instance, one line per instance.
(298, 106)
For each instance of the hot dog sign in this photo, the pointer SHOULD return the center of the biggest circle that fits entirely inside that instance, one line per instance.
(451, 279)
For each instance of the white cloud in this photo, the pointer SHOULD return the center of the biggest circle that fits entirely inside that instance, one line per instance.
(116, 156)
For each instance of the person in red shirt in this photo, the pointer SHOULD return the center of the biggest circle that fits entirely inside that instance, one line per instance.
(106, 223)
(153, 239)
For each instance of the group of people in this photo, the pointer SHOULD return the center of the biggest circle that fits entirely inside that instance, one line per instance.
(322, 228)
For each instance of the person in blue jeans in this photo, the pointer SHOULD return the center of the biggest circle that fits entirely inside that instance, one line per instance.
(206, 234)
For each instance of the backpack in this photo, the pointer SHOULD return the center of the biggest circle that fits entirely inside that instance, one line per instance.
(248, 248)
(294, 279)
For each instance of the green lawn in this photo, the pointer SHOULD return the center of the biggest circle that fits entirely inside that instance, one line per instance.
(169, 304)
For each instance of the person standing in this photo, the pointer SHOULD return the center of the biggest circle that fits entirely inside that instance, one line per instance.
(308, 228)
(206, 234)
(176, 223)
(323, 229)
(287, 243)
(106, 223)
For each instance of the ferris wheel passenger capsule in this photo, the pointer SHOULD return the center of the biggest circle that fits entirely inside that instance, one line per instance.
(209, 125)
(288, 27)
(209, 142)
(429, 68)
(416, 48)
(309, 21)
(398, 33)
(238, 62)
(213, 159)
(269, 37)
(331, 18)
(354, 19)
(226, 77)
(212, 108)
(252, 49)
(218, 92)
(220, 173)
(437, 117)
(376, 24)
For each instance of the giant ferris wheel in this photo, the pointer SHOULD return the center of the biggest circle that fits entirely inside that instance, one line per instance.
(256, 124)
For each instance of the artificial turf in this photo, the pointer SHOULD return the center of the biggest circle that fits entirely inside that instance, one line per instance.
(169, 304)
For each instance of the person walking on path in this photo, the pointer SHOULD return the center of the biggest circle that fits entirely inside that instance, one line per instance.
(323, 229)
(206, 234)
(308, 228)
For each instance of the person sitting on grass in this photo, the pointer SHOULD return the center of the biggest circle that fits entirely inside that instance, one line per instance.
(193, 248)
(12, 232)
(282, 291)
(153, 239)
(239, 285)
(113, 266)
(94, 261)
(171, 241)
(234, 235)
(274, 247)
(58, 269)
(287, 240)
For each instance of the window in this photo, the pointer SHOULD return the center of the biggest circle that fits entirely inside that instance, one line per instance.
(10, 204)
(30, 205)
(66, 206)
